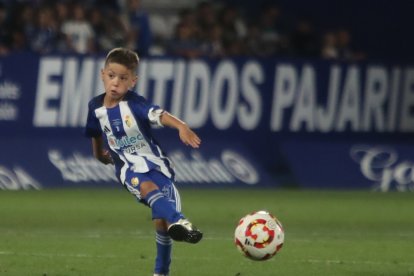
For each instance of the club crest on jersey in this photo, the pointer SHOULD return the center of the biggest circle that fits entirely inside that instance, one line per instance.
(134, 181)
(128, 120)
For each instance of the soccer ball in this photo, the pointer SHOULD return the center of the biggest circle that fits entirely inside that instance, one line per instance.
(259, 236)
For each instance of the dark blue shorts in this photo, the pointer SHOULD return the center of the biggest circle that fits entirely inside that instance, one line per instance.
(165, 185)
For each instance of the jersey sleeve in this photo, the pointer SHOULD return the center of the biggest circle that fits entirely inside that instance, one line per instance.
(154, 115)
(92, 128)
(148, 111)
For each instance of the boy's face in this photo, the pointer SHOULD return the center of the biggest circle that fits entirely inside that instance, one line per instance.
(117, 80)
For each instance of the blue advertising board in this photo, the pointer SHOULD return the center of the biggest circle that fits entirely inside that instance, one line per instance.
(264, 123)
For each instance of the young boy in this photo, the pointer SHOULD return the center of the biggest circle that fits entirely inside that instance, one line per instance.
(119, 120)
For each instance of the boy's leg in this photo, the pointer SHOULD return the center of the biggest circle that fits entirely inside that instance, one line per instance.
(165, 207)
(164, 246)
(158, 191)
(159, 203)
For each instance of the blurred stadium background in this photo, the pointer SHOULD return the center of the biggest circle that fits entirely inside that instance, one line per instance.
(305, 108)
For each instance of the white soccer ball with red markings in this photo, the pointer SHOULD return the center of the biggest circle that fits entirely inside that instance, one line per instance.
(259, 236)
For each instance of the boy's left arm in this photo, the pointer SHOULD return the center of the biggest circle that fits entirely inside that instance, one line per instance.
(187, 136)
(99, 152)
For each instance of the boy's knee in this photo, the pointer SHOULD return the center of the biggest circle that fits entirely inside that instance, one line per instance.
(146, 187)
(160, 225)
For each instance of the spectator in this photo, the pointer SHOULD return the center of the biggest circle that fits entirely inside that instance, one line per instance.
(5, 39)
(162, 28)
(18, 41)
(114, 33)
(106, 6)
(45, 36)
(253, 46)
(78, 32)
(205, 19)
(98, 25)
(212, 46)
(23, 27)
(62, 26)
(343, 38)
(303, 41)
(328, 48)
(188, 18)
(137, 22)
(61, 9)
(62, 12)
(233, 26)
(184, 42)
(271, 37)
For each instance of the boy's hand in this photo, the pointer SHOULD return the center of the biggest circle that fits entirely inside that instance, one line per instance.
(189, 137)
(106, 157)
(99, 152)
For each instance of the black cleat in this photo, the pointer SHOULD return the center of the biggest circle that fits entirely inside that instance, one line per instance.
(183, 230)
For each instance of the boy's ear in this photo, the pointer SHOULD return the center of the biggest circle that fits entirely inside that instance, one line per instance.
(135, 80)
(102, 74)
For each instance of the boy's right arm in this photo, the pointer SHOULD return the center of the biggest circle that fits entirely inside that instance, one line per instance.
(187, 136)
(99, 152)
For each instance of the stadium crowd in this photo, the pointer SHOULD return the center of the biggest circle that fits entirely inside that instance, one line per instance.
(207, 29)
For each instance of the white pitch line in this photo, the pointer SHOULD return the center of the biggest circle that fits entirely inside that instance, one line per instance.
(89, 256)
(52, 255)
(342, 262)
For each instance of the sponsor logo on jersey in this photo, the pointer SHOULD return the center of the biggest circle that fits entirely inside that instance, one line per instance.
(106, 129)
(125, 141)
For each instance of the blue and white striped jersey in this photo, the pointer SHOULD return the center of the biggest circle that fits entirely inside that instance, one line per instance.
(127, 133)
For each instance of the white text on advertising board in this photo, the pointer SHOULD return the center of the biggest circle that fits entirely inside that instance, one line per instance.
(226, 168)
(231, 94)
(383, 166)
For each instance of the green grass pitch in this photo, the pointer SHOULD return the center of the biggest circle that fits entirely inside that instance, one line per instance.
(105, 232)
